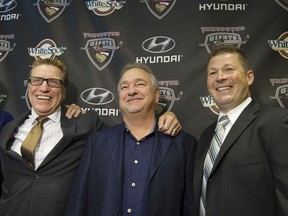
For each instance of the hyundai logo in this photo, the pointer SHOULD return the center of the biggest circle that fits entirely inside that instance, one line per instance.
(158, 44)
(97, 96)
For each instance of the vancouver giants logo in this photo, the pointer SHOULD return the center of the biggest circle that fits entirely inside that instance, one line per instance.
(100, 49)
(51, 9)
(159, 8)
(5, 46)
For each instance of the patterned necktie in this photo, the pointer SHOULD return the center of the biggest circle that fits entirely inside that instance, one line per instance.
(33, 137)
(211, 158)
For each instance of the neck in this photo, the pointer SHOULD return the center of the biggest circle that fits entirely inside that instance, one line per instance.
(140, 126)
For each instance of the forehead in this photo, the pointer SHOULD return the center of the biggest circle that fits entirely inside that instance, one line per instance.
(223, 59)
(134, 74)
(47, 71)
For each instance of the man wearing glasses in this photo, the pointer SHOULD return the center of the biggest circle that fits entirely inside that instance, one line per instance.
(37, 180)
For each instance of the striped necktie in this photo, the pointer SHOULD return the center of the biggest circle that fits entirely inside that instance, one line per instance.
(33, 137)
(211, 158)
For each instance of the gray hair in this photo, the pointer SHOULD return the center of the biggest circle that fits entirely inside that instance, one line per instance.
(142, 66)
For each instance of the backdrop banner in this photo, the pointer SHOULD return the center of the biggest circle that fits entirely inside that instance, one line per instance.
(96, 38)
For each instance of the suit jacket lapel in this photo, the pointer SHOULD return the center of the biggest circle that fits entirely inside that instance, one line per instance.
(10, 128)
(243, 121)
(116, 146)
(161, 145)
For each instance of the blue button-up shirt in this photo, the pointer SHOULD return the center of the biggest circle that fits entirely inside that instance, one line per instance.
(137, 159)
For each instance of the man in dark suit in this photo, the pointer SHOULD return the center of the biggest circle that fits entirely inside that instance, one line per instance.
(4, 118)
(249, 176)
(41, 187)
(131, 168)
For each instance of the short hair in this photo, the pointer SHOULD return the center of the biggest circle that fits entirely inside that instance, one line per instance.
(223, 49)
(55, 62)
(142, 66)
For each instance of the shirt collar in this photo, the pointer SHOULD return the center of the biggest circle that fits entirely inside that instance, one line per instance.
(55, 117)
(235, 113)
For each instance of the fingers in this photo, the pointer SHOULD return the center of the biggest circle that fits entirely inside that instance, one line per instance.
(171, 128)
(73, 110)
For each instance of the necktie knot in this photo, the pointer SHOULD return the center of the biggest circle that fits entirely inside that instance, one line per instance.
(41, 119)
(223, 121)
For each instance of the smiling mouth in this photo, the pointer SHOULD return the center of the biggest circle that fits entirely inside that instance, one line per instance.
(41, 97)
(224, 88)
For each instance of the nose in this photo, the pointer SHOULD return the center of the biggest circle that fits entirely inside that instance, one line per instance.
(220, 75)
(44, 86)
(132, 90)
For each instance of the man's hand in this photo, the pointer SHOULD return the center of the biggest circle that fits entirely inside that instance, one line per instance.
(169, 124)
(73, 111)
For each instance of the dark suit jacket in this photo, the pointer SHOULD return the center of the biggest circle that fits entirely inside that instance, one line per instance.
(98, 185)
(250, 175)
(4, 118)
(43, 192)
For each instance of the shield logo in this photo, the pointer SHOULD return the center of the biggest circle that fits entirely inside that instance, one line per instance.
(5, 48)
(51, 9)
(100, 51)
(160, 8)
(166, 100)
(282, 95)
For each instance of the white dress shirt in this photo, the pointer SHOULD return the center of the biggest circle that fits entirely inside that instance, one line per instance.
(52, 133)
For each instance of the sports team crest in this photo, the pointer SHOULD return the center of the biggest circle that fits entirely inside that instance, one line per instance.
(51, 9)
(281, 95)
(5, 46)
(166, 100)
(100, 50)
(159, 8)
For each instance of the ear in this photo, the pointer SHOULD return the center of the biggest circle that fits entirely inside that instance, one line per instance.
(157, 93)
(250, 77)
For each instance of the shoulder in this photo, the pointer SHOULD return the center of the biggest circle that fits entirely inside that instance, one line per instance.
(5, 116)
(109, 132)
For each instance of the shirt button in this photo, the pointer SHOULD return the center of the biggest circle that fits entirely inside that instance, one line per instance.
(136, 161)
(137, 143)
(36, 176)
(133, 184)
(129, 210)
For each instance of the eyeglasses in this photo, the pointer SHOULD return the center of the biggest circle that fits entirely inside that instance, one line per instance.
(51, 82)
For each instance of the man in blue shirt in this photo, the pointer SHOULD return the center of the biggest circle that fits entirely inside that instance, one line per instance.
(131, 168)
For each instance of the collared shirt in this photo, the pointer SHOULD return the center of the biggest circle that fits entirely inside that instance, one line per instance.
(52, 133)
(234, 114)
(137, 160)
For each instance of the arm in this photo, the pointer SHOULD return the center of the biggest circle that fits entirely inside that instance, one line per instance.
(169, 124)
(277, 156)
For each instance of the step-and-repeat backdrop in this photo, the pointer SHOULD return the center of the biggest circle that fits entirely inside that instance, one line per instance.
(95, 38)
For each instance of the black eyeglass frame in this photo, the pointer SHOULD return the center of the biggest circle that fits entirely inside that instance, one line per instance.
(48, 81)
